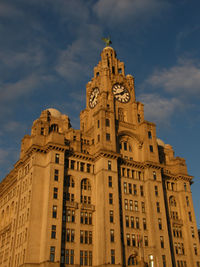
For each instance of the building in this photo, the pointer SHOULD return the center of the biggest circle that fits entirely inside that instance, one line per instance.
(109, 194)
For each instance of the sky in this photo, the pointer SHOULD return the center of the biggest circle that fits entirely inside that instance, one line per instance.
(48, 50)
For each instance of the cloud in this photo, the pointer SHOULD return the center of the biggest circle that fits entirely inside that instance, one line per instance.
(160, 109)
(117, 11)
(182, 79)
(9, 11)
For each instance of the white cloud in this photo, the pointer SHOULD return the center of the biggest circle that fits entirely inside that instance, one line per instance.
(118, 11)
(159, 109)
(182, 79)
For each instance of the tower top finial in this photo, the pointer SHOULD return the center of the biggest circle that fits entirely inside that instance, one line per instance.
(107, 41)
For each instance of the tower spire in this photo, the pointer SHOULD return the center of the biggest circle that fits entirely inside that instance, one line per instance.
(107, 40)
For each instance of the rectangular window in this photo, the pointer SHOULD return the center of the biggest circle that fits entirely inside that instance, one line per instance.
(53, 231)
(125, 187)
(143, 206)
(107, 122)
(137, 223)
(90, 218)
(131, 204)
(164, 260)
(112, 256)
(144, 224)
(128, 173)
(112, 238)
(133, 240)
(55, 193)
(151, 148)
(162, 241)
(160, 223)
(187, 201)
(136, 205)
(127, 221)
(128, 239)
(110, 181)
(130, 188)
(57, 158)
(111, 216)
(126, 204)
(158, 207)
(146, 243)
(125, 146)
(109, 165)
(82, 167)
(90, 237)
(192, 232)
(110, 198)
(107, 137)
(54, 212)
(156, 190)
(81, 237)
(132, 222)
(149, 135)
(141, 191)
(135, 189)
(154, 175)
(88, 168)
(52, 254)
(81, 257)
(56, 173)
(98, 124)
(195, 249)
(72, 257)
(98, 137)
(72, 164)
(190, 216)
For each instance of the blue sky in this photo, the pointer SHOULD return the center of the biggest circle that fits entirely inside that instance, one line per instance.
(48, 50)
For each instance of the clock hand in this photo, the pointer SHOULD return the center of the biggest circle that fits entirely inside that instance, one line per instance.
(121, 93)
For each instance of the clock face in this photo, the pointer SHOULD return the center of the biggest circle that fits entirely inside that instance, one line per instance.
(121, 93)
(93, 97)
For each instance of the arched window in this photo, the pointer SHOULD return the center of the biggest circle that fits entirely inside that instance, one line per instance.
(132, 260)
(53, 128)
(172, 201)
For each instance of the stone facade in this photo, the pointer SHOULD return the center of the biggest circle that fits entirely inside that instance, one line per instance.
(109, 194)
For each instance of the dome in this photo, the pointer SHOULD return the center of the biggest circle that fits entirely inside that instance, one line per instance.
(54, 112)
(160, 142)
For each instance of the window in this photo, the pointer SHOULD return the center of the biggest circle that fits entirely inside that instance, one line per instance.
(52, 254)
(158, 206)
(110, 198)
(110, 181)
(141, 191)
(195, 249)
(144, 224)
(146, 243)
(82, 167)
(127, 221)
(132, 222)
(72, 164)
(162, 241)
(139, 118)
(130, 188)
(143, 206)
(128, 239)
(56, 173)
(85, 258)
(57, 158)
(136, 205)
(164, 260)
(98, 137)
(98, 123)
(185, 187)
(137, 223)
(119, 70)
(112, 256)
(187, 201)
(135, 189)
(112, 238)
(70, 235)
(126, 204)
(160, 223)
(88, 168)
(109, 165)
(192, 232)
(133, 240)
(154, 175)
(70, 215)
(149, 135)
(133, 174)
(131, 204)
(53, 231)
(107, 122)
(125, 145)
(107, 137)
(42, 131)
(69, 259)
(190, 216)
(54, 212)
(128, 172)
(111, 216)
(151, 148)
(55, 193)
(156, 190)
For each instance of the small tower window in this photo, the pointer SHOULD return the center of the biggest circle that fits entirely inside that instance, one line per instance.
(119, 70)
(149, 135)
(42, 131)
(139, 118)
(107, 122)
(113, 70)
(97, 74)
(151, 148)
(107, 137)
